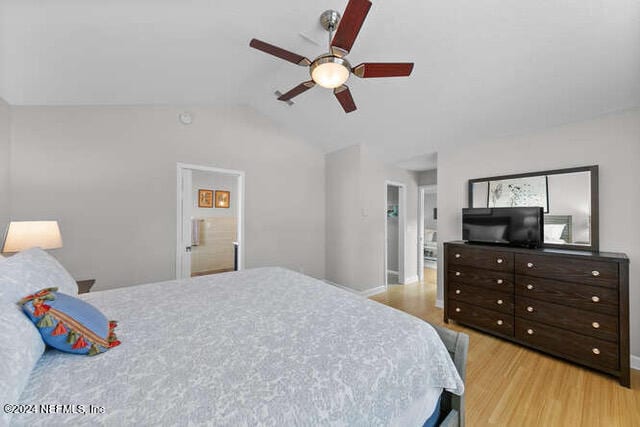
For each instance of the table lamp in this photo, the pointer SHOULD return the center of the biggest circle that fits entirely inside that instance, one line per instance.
(23, 235)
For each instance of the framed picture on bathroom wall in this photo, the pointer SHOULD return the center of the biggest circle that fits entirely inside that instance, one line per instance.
(205, 198)
(222, 199)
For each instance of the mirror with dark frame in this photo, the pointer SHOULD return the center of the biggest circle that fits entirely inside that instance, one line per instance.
(569, 198)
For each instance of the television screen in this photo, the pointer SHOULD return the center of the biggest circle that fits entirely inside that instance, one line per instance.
(522, 226)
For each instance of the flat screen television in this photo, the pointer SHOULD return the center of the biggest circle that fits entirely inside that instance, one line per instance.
(523, 226)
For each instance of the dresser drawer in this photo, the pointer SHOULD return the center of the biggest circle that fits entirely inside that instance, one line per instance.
(472, 315)
(588, 272)
(591, 298)
(479, 257)
(581, 348)
(496, 280)
(498, 301)
(597, 325)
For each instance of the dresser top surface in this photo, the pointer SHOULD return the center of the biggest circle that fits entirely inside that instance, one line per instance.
(604, 256)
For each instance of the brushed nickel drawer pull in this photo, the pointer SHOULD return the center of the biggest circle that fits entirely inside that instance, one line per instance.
(499, 322)
(530, 331)
(499, 260)
(595, 350)
(499, 302)
(529, 265)
(458, 310)
(530, 309)
(595, 299)
(458, 273)
(458, 291)
(595, 273)
(458, 255)
(500, 281)
(596, 325)
(530, 287)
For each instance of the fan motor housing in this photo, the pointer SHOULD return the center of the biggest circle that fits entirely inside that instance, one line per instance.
(330, 19)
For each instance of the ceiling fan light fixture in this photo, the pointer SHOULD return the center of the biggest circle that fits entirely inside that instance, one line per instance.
(330, 71)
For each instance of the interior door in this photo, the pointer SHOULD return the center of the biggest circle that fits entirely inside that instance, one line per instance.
(185, 214)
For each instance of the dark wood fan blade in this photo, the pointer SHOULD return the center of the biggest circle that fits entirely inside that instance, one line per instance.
(349, 26)
(383, 69)
(301, 88)
(279, 52)
(345, 99)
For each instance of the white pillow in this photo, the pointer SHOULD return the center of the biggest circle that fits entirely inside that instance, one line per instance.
(28, 272)
(553, 232)
(20, 349)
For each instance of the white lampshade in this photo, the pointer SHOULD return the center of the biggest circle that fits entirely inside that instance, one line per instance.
(23, 235)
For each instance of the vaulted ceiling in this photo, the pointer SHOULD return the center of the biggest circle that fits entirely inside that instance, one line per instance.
(484, 68)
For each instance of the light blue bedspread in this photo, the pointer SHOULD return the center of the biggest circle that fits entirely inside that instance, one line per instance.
(265, 346)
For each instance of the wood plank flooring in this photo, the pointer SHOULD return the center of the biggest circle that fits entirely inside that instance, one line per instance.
(508, 385)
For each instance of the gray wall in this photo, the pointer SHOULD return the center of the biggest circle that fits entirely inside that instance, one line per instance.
(428, 177)
(4, 165)
(430, 203)
(613, 142)
(356, 217)
(343, 216)
(108, 174)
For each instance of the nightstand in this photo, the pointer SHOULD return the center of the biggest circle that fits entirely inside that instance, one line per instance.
(84, 286)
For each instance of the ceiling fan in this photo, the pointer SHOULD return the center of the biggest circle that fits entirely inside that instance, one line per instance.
(331, 70)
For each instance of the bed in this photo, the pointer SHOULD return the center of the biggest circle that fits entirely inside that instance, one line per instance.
(265, 346)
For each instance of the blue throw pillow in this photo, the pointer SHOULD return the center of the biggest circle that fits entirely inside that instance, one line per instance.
(68, 323)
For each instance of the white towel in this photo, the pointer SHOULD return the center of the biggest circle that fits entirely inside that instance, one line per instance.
(195, 232)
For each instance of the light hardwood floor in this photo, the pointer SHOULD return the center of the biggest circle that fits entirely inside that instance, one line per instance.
(508, 385)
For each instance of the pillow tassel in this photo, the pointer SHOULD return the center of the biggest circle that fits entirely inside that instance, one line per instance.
(59, 330)
(43, 294)
(111, 338)
(45, 322)
(71, 338)
(40, 308)
(94, 350)
(80, 343)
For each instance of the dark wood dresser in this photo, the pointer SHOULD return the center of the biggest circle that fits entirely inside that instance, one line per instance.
(570, 304)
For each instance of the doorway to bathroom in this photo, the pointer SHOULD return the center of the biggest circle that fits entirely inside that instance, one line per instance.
(210, 214)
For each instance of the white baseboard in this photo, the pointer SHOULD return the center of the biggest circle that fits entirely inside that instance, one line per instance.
(635, 362)
(439, 303)
(353, 291)
(373, 291)
(365, 293)
(411, 279)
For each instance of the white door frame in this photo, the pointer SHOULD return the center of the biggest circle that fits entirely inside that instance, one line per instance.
(239, 200)
(402, 228)
(422, 190)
